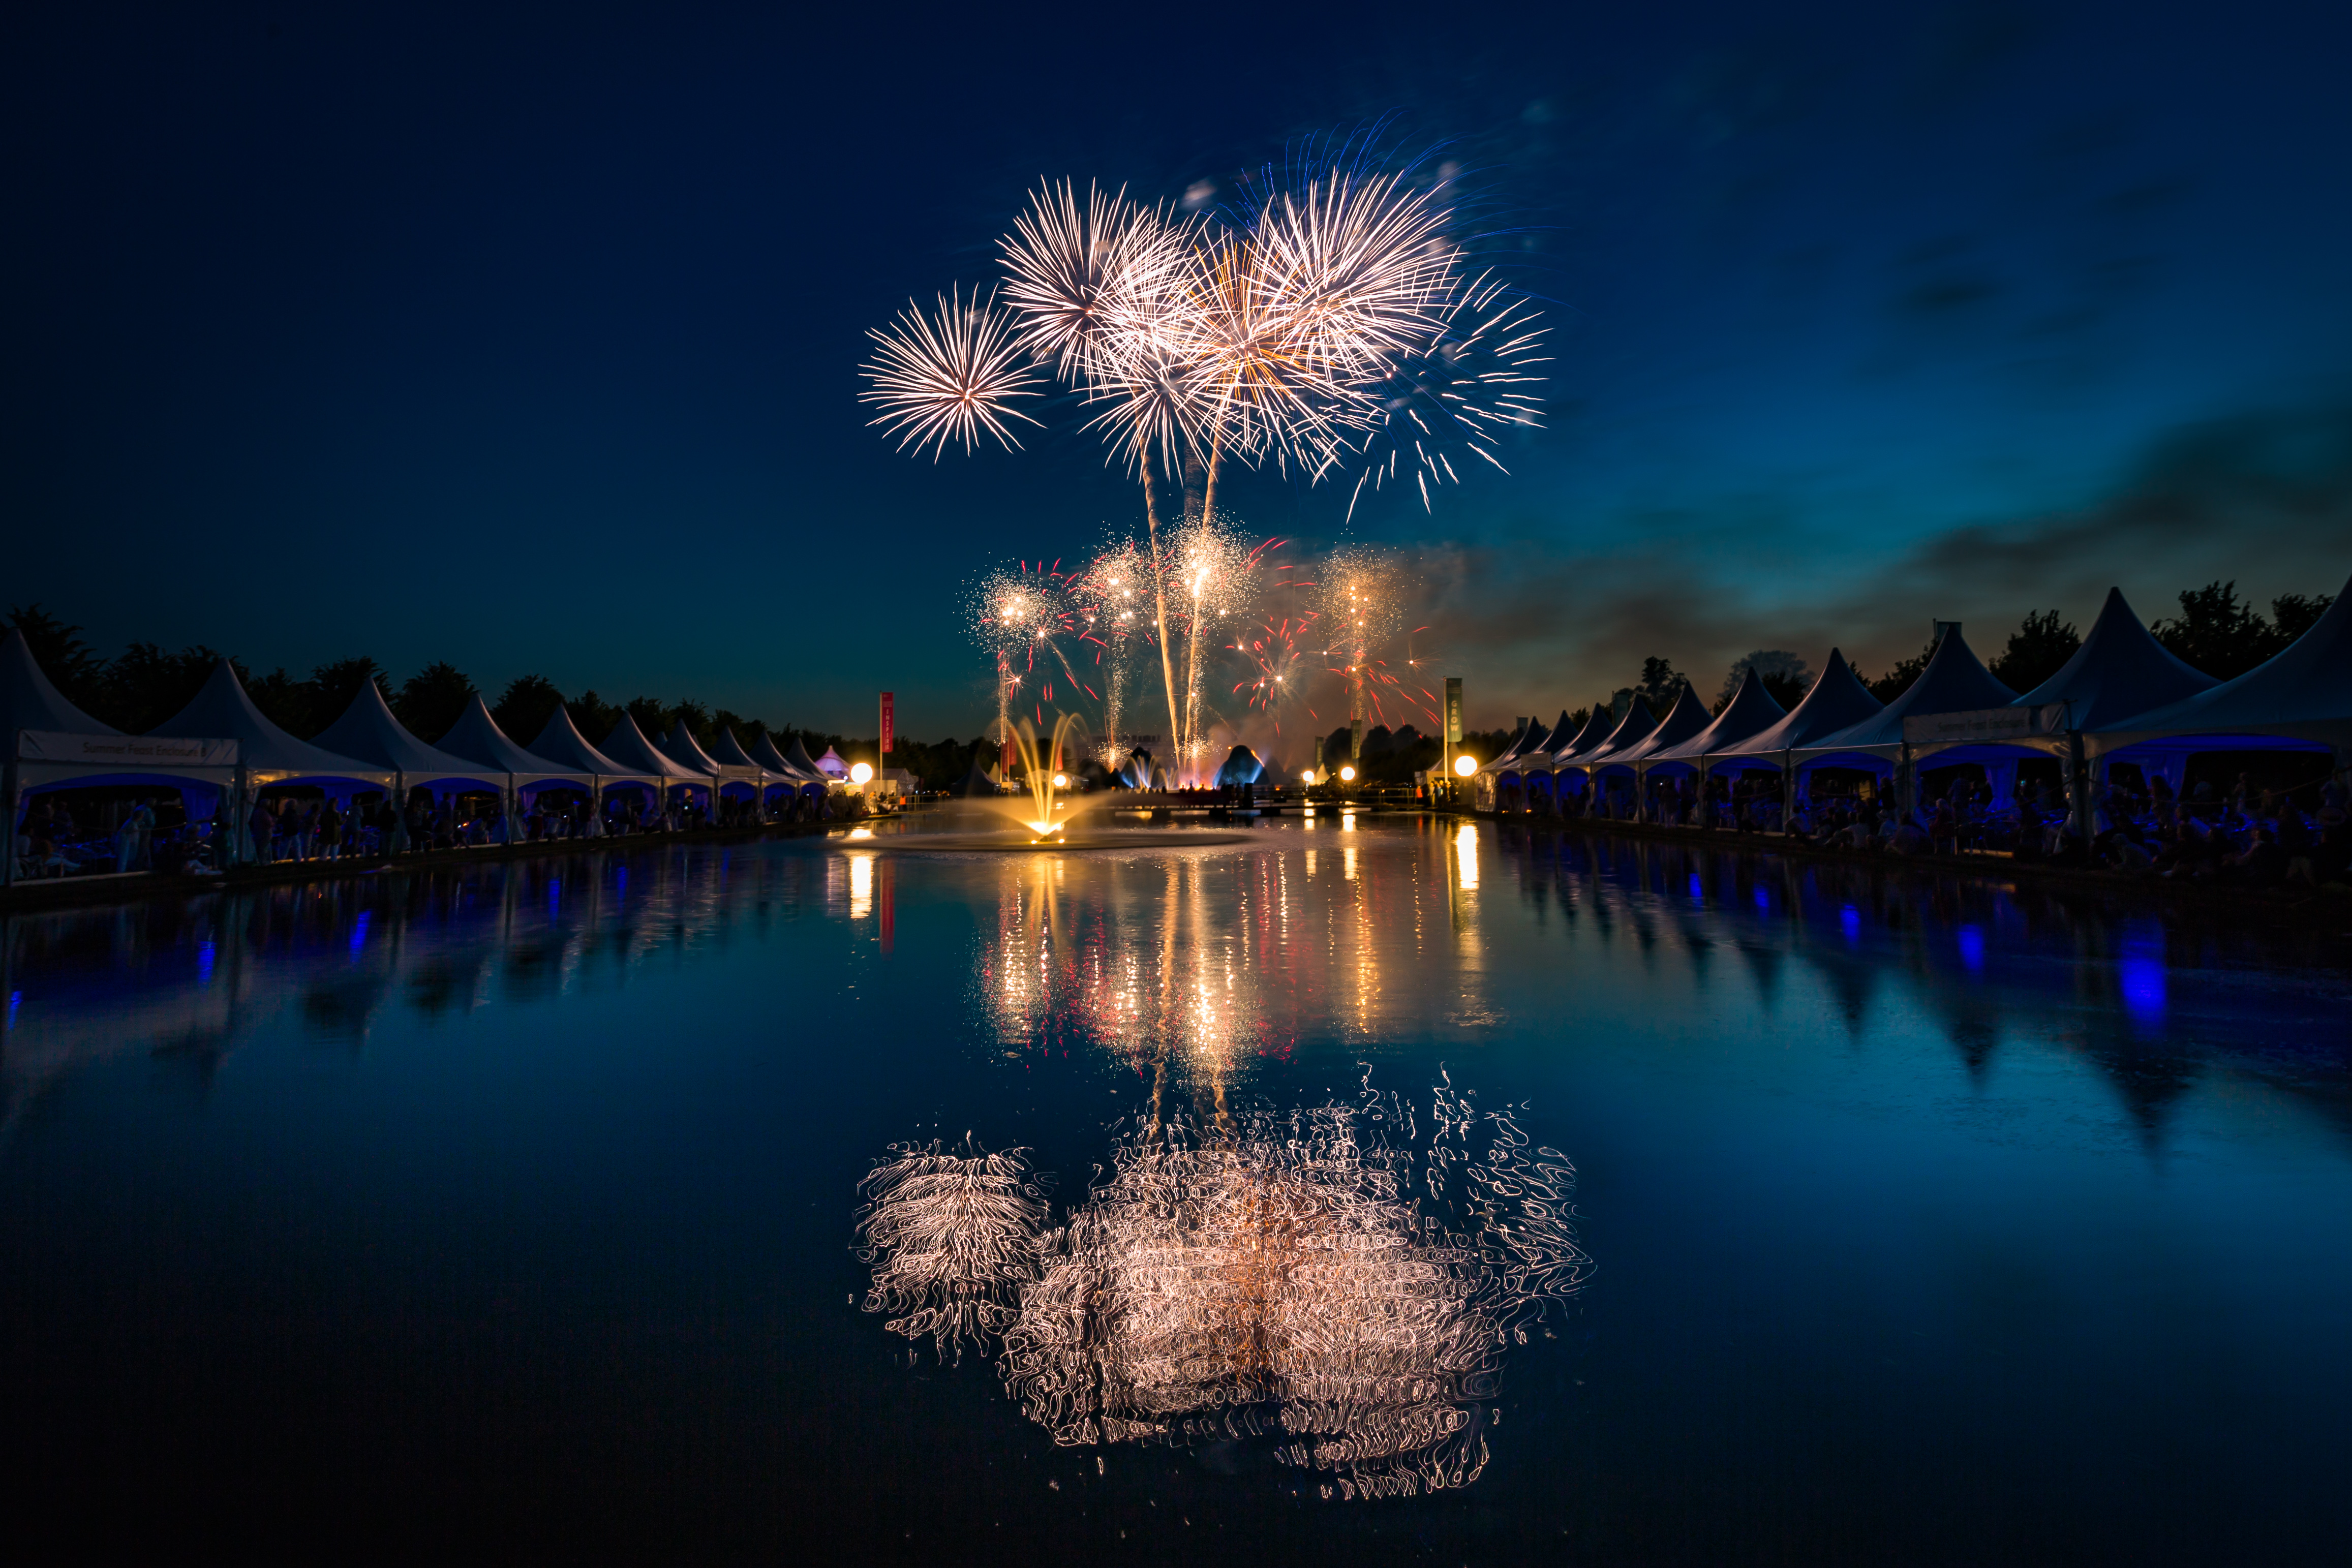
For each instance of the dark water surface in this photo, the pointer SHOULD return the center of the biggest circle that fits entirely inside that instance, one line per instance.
(511, 1209)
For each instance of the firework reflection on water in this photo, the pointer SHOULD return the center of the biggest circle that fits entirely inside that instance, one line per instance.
(1337, 1285)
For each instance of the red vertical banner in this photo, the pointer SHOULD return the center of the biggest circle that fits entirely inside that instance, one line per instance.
(889, 716)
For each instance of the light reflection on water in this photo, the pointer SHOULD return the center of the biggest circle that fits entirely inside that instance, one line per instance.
(1905, 1191)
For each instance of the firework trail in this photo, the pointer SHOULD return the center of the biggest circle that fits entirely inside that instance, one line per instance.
(1025, 619)
(948, 377)
(1218, 575)
(1115, 596)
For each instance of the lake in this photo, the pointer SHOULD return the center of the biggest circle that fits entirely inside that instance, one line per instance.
(516, 1208)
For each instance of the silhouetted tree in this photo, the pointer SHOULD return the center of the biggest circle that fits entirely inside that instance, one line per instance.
(2037, 650)
(1898, 680)
(2216, 634)
(1659, 684)
(697, 721)
(69, 662)
(145, 686)
(1781, 673)
(528, 703)
(2292, 615)
(651, 714)
(432, 699)
(594, 716)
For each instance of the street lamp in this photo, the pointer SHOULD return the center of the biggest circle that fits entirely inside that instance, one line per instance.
(1464, 766)
(860, 773)
(1061, 780)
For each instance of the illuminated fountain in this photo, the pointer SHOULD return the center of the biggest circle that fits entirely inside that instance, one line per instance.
(1041, 818)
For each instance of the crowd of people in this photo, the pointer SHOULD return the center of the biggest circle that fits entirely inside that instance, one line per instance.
(2245, 835)
(51, 841)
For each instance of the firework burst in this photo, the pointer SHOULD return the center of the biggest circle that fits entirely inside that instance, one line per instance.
(948, 377)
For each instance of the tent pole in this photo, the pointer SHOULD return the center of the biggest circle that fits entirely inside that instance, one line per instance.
(2078, 779)
(8, 873)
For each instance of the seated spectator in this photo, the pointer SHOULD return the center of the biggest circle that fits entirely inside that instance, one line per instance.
(2260, 864)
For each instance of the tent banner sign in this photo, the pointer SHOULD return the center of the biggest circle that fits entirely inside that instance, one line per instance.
(1986, 724)
(1453, 710)
(889, 716)
(124, 750)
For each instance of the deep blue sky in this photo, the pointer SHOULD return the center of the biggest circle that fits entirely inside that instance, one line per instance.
(528, 340)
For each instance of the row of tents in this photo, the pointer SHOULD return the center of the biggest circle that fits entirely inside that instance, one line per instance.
(2123, 697)
(222, 750)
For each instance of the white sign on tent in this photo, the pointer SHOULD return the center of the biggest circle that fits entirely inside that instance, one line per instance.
(125, 750)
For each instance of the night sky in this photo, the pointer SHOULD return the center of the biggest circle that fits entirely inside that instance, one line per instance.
(528, 341)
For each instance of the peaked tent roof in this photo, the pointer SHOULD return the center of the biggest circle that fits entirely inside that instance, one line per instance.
(976, 782)
(2119, 670)
(30, 700)
(1954, 682)
(728, 752)
(1510, 753)
(680, 747)
(478, 737)
(369, 731)
(1837, 701)
(1540, 754)
(1638, 722)
(1750, 710)
(1684, 720)
(2306, 691)
(562, 743)
(1591, 738)
(221, 708)
(839, 769)
(796, 756)
(764, 752)
(627, 745)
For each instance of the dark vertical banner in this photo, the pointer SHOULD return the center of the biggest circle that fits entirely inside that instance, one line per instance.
(1453, 710)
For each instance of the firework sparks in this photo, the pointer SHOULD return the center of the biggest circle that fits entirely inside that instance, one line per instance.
(1453, 396)
(948, 377)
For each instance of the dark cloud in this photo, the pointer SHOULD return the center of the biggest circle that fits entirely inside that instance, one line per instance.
(2265, 498)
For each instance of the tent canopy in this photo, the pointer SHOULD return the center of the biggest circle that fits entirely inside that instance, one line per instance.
(830, 763)
(1510, 753)
(728, 752)
(2120, 671)
(796, 758)
(29, 700)
(1538, 755)
(2304, 693)
(478, 737)
(976, 782)
(222, 707)
(763, 751)
(1751, 711)
(1838, 700)
(680, 747)
(1955, 681)
(562, 743)
(369, 731)
(627, 745)
(1631, 731)
(1591, 738)
(1683, 722)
